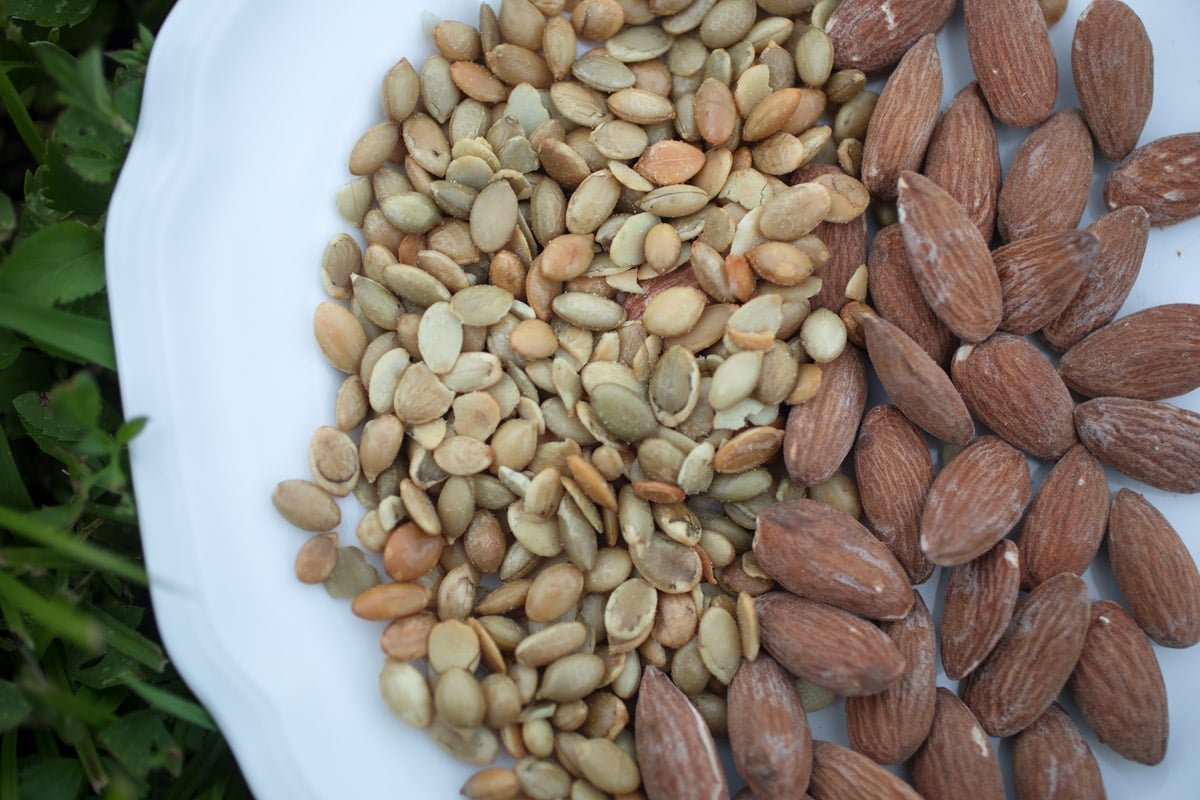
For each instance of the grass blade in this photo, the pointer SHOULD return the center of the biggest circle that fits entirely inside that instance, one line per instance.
(126, 640)
(173, 704)
(20, 117)
(54, 614)
(71, 545)
(10, 780)
(81, 337)
(12, 487)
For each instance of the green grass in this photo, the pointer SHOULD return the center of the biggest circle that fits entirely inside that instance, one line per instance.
(89, 703)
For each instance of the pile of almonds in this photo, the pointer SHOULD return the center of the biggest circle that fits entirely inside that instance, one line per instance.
(607, 351)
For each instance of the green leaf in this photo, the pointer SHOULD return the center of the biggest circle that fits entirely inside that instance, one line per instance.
(46, 427)
(82, 82)
(10, 348)
(67, 191)
(129, 430)
(13, 706)
(86, 339)
(12, 485)
(52, 779)
(173, 704)
(58, 264)
(52, 13)
(77, 400)
(142, 743)
(8, 217)
(9, 775)
(70, 544)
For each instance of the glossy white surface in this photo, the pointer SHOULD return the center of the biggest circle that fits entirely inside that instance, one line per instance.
(214, 242)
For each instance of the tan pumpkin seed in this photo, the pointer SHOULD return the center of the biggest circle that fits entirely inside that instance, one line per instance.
(494, 216)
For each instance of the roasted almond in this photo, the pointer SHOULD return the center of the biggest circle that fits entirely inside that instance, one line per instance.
(956, 755)
(1013, 58)
(1155, 443)
(820, 432)
(846, 243)
(964, 158)
(842, 774)
(768, 729)
(871, 36)
(979, 602)
(1052, 761)
(1112, 63)
(975, 500)
(1040, 275)
(1048, 183)
(675, 749)
(1161, 177)
(898, 298)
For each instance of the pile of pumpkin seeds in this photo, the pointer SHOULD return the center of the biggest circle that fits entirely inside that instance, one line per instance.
(588, 296)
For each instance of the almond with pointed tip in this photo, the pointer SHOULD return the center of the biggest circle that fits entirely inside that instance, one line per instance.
(956, 755)
(675, 749)
(1162, 177)
(1119, 687)
(1112, 62)
(898, 298)
(1039, 277)
(1052, 761)
(949, 259)
(1155, 443)
(979, 602)
(1013, 58)
(842, 774)
(845, 241)
(975, 500)
(768, 729)
(964, 158)
(821, 431)
(1048, 183)
(872, 36)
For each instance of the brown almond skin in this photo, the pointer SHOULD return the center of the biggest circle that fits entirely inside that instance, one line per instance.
(898, 298)
(768, 730)
(1123, 235)
(964, 158)
(1154, 443)
(675, 750)
(1119, 687)
(822, 553)
(949, 259)
(956, 755)
(846, 242)
(980, 598)
(1065, 525)
(821, 432)
(894, 472)
(904, 119)
(1112, 63)
(1052, 761)
(1048, 183)
(916, 384)
(975, 500)
(826, 645)
(1040, 275)
(1012, 55)
(1160, 178)
(1152, 354)
(1154, 570)
(1032, 661)
(889, 727)
(1012, 388)
(867, 37)
(842, 774)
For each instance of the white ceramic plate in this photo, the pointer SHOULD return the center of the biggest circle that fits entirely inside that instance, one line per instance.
(214, 241)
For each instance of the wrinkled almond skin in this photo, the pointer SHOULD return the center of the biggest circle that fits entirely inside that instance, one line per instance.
(1119, 686)
(1152, 354)
(1032, 661)
(1065, 525)
(1012, 388)
(957, 755)
(894, 472)
(964, 158)
(1047, 185)
(904, 118)
(1052, 761)
(842, 774)
(898, 299)
(768, 730)
(675, 750)
(949, 259)
(821, 431)
(889, 727)
(872, 36)
(1122, 235)
(826, 645)
(1039, 277)
(916, 384)
(822, 553)
(1012, 55)
(975, 500)
(1161, 177)
(1154, 570)
(1155, 443)
(846, 242)
(1112, 63)
(979, 603)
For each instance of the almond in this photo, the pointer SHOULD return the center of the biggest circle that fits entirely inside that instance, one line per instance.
(1154, 443)
(1122, 235)
(827, 646)
(956, 755)
(1052, 761)
(1013, 58)
(904, 118)
(1154, 570)
(979, 602)
(821, 431)
(1049, 180)
(964, 158)
(1039, 277)
(768, 730)
(872, 36)
(1066, 521)
(894, 472)
(819, 552)
(916, 384)
(842, 774)
(889, 727)
(1149, 355)
(1032, 661)
(635, 304)
(1012, 388)
(1119, 686)
(1161, 177)
(675, 749)
(1112, 63)
(974, 502)
(949, 259)
(898, 298)
(845, 241)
